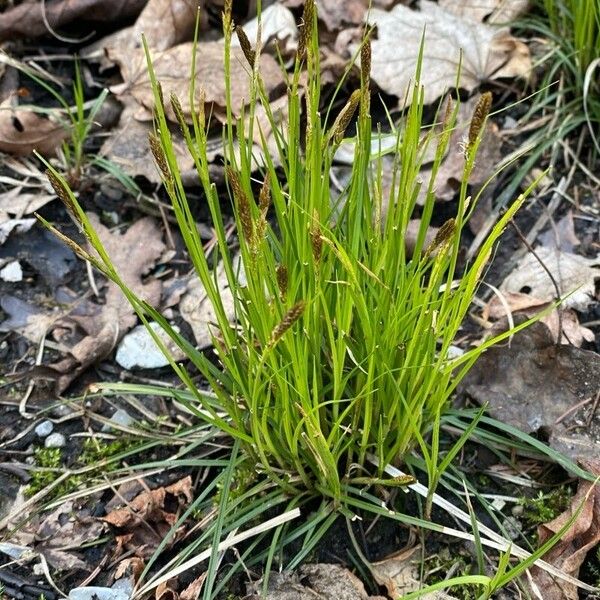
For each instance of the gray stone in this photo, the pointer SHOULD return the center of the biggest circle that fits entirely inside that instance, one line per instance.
(55, 440)
(120, 417)
(44, 429)
(97, 593)
(138, 350)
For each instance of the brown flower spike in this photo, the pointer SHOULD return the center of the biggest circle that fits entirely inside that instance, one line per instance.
(306, 31)
(282, 280)
(482, 110)
(290, 317)
(243, 206)
(246, 45)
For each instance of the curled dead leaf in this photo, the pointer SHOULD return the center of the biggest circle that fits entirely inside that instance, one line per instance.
(515, 303)
(33, 19)
(23, 131)
(575, 276)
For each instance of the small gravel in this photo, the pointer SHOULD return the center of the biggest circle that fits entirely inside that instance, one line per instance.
(44, 429)
(120, 417)
(55, 440)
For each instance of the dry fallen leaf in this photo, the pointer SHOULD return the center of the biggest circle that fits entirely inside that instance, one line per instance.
(173, 68)
(399, 574)
(570, 551)
(59, 535)
(492, 11)
(132, 254)
(18, 203)
(128, 146)
(145, 521)
(516, 303)
(575, 275)
(534, 385)
(27, 320)
(31, 19)
(192, 591)
(312, 581)
(337, 15)
(484, 52)
(23, 131)
(196, 309)
(277, 22)
(561, 235)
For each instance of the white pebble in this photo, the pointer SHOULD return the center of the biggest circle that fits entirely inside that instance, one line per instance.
(44, 429)
(55, 440)
(12, 272)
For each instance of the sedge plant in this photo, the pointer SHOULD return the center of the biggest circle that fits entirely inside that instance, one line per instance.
(339, 355)
(339, 359)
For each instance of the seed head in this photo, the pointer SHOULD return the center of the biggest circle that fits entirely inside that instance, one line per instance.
(202, 109)
(159, 157)
(76, 248)
(246, 46)
(264, 198)
(178, 111)
(315, 238)
(447, 113)
(365, 62)
(264, 201)
(243, 206)
(62, 192)
(482, 109)
(227, 17)
(442, 237)
(290, 317)
(159, 90)
(282, 280)
(342, 121)
(308, 16)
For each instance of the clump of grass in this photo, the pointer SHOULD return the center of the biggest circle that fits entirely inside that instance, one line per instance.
(569, 94)
(340, 355)
(575, 27)
(339, 361)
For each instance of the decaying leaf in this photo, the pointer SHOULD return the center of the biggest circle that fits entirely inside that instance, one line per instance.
(312, 581)
(535, 385)
(491, 11)
(517, 303)
(60, 534)
(484, 52)
(575, 275)
(27, 320)
(17, 203)
(561, 235)
(277, 22)
(128, 146)
(144, 521)
(399, 574)
(132, 254)
(23, 131)
(173, 68)
(583, 536)
(197, 310)
(337, 15)
(31, 19)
